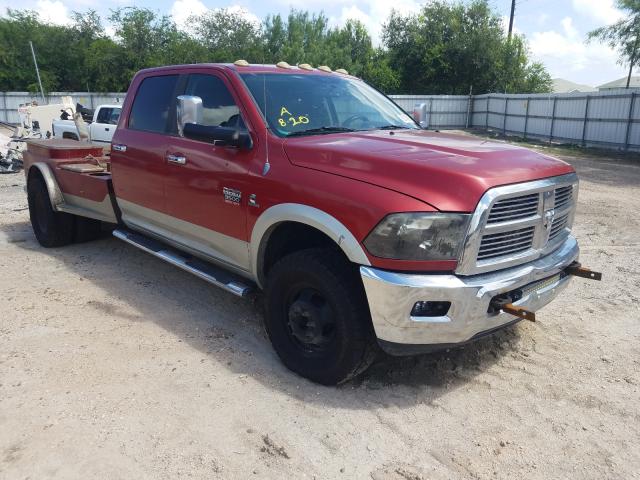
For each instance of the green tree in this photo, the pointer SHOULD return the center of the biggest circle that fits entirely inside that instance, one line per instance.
(227, 35)
(624, 35)
(57, 53)
(451, 47)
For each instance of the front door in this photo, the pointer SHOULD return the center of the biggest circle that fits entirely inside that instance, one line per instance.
(105, 125)
(205, 187)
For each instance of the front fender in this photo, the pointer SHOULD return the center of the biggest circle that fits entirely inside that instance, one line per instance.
(305, 214)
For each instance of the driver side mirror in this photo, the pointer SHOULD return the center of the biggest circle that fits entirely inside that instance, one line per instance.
(189, 117)
(189, 111)
(420, 115)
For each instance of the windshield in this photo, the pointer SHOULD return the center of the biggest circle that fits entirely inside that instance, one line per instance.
(303, 104)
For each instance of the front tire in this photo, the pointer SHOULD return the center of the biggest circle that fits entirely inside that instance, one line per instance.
(317, 316)
(52, 229)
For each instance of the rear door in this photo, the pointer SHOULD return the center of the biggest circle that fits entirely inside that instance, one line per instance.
(138, 152)
(206, 192)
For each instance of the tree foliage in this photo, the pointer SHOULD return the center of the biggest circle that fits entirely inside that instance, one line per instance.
(624, 35)
(445, 49)
(449, 48)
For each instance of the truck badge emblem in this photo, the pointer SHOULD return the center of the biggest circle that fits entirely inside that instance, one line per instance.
(232, 196)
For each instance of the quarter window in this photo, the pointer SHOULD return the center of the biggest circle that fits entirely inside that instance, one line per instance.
(153, 101)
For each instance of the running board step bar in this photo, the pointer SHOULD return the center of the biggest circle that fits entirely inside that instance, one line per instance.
(206, 271)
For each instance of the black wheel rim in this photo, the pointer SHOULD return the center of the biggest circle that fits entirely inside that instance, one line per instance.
(310, 320)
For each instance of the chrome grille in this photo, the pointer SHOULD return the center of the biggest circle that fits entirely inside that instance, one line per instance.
(559, 223)
(506, 243)
(514, 208)
(518, 223)
(563, 196)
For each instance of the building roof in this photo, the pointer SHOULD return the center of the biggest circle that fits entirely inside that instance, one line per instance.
(560, 85)
(621, 83)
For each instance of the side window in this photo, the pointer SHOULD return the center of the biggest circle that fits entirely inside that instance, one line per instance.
(103, 115)
(109, 116)
(115, 116)
(154, 98)
(219, 108)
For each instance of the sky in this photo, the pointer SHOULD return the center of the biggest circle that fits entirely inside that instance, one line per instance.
(555, 29)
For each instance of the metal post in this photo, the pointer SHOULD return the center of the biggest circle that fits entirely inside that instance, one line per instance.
(35, 62)
(469, 105)
(504, 117)
(4, 107)
(486, 115)
(526, 117)
(629, 120)
(553, 117)
(513, 11)
(430, 110)
(586, 120)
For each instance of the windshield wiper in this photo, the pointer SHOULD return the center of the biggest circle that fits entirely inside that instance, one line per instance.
(392, 127)
(320, 130)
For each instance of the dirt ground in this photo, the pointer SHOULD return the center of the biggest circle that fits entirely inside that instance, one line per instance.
(115, 365)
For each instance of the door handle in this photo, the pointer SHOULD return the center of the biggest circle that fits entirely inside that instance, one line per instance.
(177, 159)
(106, 129)
(119, 147)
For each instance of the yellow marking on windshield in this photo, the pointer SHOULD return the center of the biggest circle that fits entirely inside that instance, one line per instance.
(286, 118)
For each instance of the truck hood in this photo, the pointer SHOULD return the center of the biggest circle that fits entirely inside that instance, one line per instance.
(448, 171)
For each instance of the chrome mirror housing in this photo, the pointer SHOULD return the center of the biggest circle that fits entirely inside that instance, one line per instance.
(420, 115)
(189, 110)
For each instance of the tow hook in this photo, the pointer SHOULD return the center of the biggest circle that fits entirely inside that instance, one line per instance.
(577, 270)
(505, 302)
(506, 306)
(519, 312)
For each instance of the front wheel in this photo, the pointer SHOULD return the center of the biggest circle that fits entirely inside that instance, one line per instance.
(317, 316)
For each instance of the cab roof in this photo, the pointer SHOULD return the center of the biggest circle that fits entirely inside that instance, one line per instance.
(250, 68)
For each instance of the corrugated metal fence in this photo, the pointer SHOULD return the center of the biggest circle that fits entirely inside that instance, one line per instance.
(603, 119)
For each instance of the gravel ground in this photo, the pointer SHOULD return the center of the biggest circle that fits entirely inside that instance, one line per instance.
(116, 365)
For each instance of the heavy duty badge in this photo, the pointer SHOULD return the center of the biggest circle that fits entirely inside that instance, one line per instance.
(232, 196)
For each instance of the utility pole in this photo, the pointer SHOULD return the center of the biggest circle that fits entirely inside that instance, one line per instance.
(633, 59)
(513, 12)
(33, 52)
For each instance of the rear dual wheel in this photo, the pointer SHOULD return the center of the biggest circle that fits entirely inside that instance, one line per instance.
(52, 228)
(317, 317)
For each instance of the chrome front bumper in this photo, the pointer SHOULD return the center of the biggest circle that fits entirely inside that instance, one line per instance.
(391, 297)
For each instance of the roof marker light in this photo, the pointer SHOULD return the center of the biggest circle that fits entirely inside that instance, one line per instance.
(305, 66)
(342, 71)
(324, 68)
(283, 65)
(241, 63)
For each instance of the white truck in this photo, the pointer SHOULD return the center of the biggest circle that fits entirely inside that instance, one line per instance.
(101, 129)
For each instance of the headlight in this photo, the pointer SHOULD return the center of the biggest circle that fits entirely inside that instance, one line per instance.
(418, 236)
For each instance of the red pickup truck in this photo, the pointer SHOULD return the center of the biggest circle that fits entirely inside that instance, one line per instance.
(364, 230)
